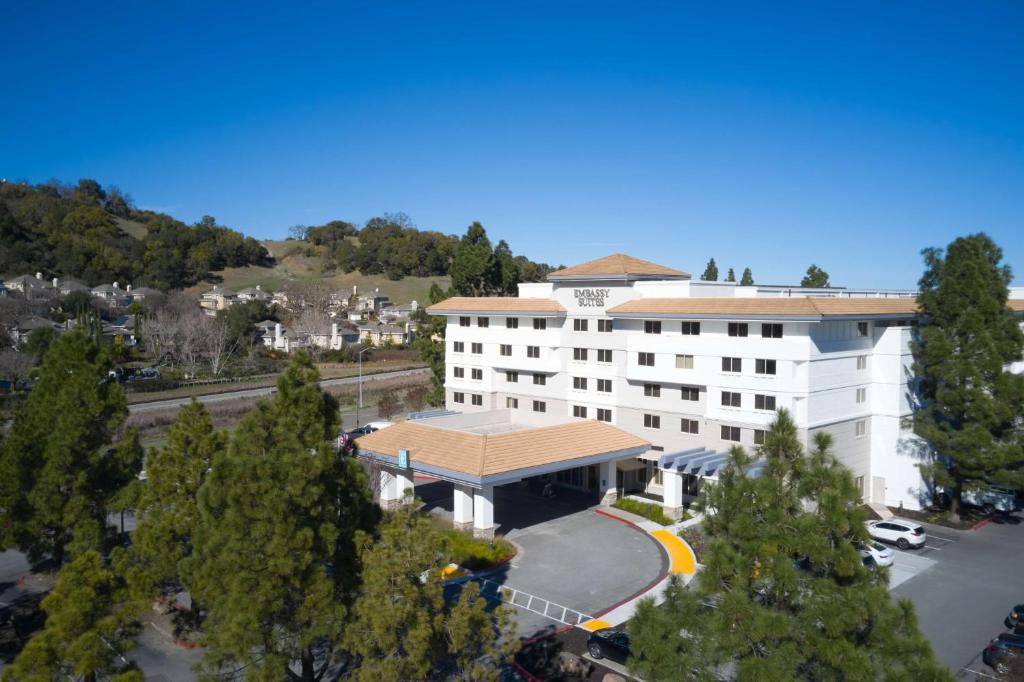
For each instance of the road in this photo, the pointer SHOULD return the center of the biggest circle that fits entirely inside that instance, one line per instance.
(267, 390)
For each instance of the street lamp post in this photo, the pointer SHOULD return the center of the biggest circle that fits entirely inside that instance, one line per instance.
(359, 403)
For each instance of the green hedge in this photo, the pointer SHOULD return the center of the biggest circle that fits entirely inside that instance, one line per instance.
(648, 510)
(474, 553)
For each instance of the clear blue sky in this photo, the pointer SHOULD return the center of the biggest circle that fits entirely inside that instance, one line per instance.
(763, 134)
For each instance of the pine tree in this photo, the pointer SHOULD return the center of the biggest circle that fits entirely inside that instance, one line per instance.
(970, 403)
(474, 270)
(710, 272)
(402, 628)
(730, 276)
(784, 594)
(815, 277)
(274, 558)
(747, 279)
(89, 626)
(57, 469)
(509, 271)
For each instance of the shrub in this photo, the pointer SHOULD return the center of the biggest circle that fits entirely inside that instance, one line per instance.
(694, 537)
(648, 510)
(474, 553)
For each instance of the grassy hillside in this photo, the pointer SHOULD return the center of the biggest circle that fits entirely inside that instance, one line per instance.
(300, 261)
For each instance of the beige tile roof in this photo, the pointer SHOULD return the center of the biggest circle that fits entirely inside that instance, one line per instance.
(618, 265)
(1016, 305)
(495, 304)
(484, 455)
(797, 306)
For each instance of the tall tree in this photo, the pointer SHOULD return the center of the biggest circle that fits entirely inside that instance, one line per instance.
(88, 628)
(58, 470)
(710, 272)
(815, 277)
(402, 629)
(792, 599)
(747, 279)
(274, 557)
(429, 342)
(508, 269)
(475, 271)
(971, 403)
(730, 276)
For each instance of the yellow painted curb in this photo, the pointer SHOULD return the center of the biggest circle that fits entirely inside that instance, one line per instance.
(595, 624)
(680, 555)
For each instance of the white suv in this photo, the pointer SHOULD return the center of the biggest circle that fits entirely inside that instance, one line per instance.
(901, 531)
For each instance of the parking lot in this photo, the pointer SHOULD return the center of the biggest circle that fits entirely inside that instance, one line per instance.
(910, 563)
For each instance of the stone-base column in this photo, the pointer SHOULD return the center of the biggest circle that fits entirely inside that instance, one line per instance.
(483, 512)
(463, 508)
(672, 495)
(606, 482)
(394, 483)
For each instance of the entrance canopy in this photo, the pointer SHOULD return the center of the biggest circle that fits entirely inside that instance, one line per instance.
(491, 448)
(702, 462)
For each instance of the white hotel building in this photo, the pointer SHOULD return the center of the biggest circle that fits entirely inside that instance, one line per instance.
(694, 368)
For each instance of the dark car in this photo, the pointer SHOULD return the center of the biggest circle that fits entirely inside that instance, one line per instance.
(609, 643)
(361, 431)
(1004, 647)
(1016, 616)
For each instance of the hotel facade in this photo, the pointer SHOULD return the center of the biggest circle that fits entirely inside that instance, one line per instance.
(694, 368)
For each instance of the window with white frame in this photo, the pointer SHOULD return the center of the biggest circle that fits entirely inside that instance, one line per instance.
(459, 372)
(771, 331)
(737, 329)
(689, 426)
(540, 380)
(506, 349)
(862, 395)
(684, 362)
(652, 421)
(512, 323)
(732, 364)
(731, 433)
(478, 348)
(862, 329)
(691, 393)
(579, 325)
(691, 328)
(764, 402)
(652, 390)
(540, 323)
(483, 322)
(860, 428)
(645, 359)
(464, 321)
(604, 326)
(763, 366)
(540, 406)
(512, 377)
(731, 399)
(459, 397)
(511, 403)
(459, 346)
(533, 351)
(604, 385)
(759, 435)
(579, 383)
(604, 355)
(604, 415)
(579, 354)
(478, 399)
(478, 375)
(652, 326)
(579, 411)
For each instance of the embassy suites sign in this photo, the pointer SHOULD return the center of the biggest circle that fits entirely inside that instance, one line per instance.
(591, 298)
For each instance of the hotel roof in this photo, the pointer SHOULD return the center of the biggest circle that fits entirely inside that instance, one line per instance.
(800, 307)
(465, 455)
(495, 304)
(618, 266)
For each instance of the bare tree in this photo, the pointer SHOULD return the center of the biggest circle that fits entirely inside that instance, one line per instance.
(218, 344)
(416, 397)
(388, 404)
(15, 365)
(314, 325)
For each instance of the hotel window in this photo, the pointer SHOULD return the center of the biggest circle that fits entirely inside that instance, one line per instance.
(463, 321)
(764, 402)
(478, 348)
(579, 325)
(459, 397)
(645, 359)
(684, 362)
(512, 377)
(771, 331)
(689, 426)
(604, 385)
(540, 406)
(604, 325)
(652, 421)
(478, 399)
(483, 322)
(512, 323)
(862, 395)
(604, 355)
(533, 351)
(579, 383)
(862, 362)
(730, 399)
(540, 380)
(759, 436)
(690, 393)
(506, 349)
(731, 433)
(737, 329)
(732, 365)
(579, 411)
(579, 354)
(861, 428)
(764, 366)
(652, 326)
(604, 415)
(540, 323)
(652, 390)
(459, 372)
(459, 346)
(478, 375)
(512, 403)
(862, 329)
(691, 328)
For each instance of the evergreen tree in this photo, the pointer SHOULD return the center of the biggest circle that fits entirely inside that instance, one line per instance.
(970, 402)
(57, 469)
(88, 628)
(730, 276)
(274, 557)
(429, 342)
(475, 271)
(402, 628)
(509, 271)
(815, 277)
(747, 279)
(791, 598)
(710, 272)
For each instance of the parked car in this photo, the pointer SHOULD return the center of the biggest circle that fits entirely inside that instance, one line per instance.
(880, 554)
(609, 643)
(902, 532)
(368, 427)
(990, 499)
(1016, 617)
(1005, 646)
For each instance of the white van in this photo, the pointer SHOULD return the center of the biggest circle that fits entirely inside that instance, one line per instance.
(991, 498)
